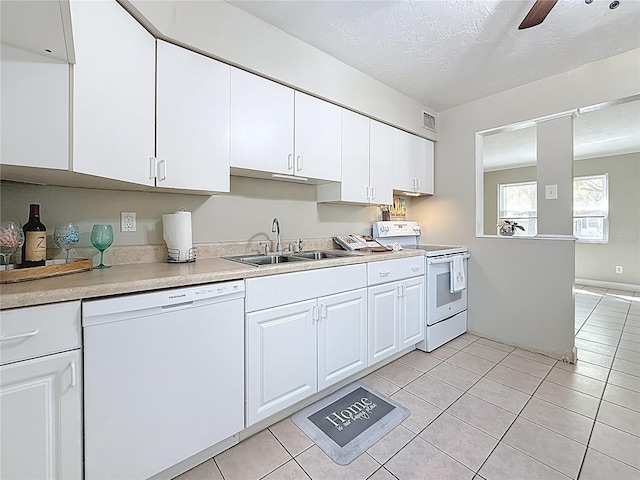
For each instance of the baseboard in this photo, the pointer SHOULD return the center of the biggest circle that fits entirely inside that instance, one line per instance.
(613, 285)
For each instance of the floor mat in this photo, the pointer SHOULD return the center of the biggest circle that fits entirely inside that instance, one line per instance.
(349, 421)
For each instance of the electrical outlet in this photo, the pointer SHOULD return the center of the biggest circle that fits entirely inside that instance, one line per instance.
(619, 269)
(127, 221)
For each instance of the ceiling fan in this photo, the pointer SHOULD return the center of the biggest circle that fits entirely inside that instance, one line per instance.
(537, 14)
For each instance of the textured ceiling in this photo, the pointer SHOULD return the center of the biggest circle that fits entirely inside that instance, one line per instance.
(445, 53)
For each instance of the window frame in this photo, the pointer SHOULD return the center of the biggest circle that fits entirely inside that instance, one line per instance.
(530, 218)
(605, 214)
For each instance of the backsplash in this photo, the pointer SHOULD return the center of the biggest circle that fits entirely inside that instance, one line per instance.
(245, 214)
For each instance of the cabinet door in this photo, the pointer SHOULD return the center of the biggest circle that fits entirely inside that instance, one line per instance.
(41, 427)
(192, 120)
(317, 138)
(403, 161)
(423, 167)
(383, 332)
(412, 311)
(281, 358)
(261, 124)
(381, 163)
(113, 93)
(355, 157)
(35, 110)
(342, 336)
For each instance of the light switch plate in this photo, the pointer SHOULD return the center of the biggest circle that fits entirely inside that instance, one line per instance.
(551, 192)
(127, 221)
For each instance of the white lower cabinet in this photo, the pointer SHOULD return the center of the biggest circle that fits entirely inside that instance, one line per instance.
(300, 348)
(397, 313)
(41, 420)
(296, 350)
(342, 336)
(396, 317)
(281, 358)
(40, 396)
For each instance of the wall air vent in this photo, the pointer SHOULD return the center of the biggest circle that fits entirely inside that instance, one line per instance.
(429, 121)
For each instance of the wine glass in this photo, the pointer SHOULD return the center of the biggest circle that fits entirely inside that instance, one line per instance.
(102, 238)
(11, 239)
(65, 236)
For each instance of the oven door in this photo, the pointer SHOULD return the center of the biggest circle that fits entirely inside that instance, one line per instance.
(441, 303)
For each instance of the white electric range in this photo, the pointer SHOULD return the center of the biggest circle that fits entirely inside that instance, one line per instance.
(446, 302)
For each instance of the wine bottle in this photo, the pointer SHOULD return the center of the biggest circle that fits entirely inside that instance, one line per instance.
(34, 250)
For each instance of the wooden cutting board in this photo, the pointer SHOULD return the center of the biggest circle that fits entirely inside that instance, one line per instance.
(35, 273)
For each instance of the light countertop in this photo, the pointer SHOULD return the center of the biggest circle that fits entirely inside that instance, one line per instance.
(141, 277)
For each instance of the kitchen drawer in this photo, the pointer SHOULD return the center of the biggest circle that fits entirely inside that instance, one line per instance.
(276, 290)
(392, 270)
(35, 331)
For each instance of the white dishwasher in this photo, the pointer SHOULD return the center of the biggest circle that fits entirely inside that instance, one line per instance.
(163, 377)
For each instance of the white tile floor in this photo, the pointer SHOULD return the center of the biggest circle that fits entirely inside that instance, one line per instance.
(481, 409)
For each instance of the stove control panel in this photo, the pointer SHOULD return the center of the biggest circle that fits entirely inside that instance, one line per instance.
(396, 229)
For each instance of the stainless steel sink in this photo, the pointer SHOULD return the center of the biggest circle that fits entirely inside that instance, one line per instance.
(274, 259)
(258, 260)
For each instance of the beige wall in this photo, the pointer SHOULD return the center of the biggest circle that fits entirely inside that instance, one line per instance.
(512, 296)
(597, 261)
(244, 214)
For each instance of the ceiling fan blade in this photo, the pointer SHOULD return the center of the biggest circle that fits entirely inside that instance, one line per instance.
(537, 14)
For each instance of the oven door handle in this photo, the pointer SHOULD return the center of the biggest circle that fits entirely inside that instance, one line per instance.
(434, 261)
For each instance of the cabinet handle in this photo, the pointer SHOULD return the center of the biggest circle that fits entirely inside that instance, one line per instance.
(368, 196)
(373, 193)
(418, 183)
(384, 274)
(323, 311)
(74, 379)
(415, 183)
(402, 291)
(315, 312)
(299, 163)
(153, 167)
(162, 164)
(20, 335)
(290, 161)
(415, 269)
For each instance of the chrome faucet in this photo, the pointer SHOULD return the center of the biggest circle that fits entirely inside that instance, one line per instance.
(275, 228)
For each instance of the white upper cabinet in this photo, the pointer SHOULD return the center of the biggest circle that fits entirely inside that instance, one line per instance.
(381, 163)
(192, 120)
(34, 110)
(277, 130)
(317, 138)
(113, 93)
(424, 167)
(261, 124)
(367, 154)
(412, 163)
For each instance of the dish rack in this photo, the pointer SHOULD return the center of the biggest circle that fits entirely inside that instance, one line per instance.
(173, 255)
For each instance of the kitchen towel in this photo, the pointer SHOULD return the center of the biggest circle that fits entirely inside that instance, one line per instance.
(458, 278)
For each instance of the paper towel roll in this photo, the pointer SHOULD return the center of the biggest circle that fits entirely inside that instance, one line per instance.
(176, 231)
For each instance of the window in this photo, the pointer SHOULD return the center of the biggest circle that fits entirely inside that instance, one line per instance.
(518, 202)
(591, 208)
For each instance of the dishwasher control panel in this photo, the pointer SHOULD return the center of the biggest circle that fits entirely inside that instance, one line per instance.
(106, 310)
